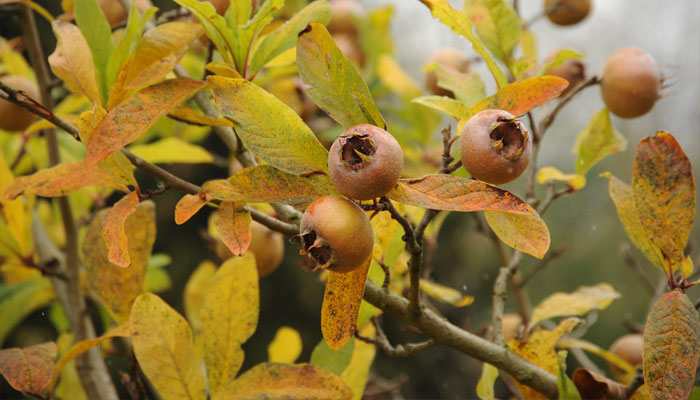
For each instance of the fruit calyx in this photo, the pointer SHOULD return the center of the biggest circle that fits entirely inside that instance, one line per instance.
(317, 249)
(508, 137)
(357, 150)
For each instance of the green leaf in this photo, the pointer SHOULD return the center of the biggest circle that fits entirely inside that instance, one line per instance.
(497, 25)
(128, 43)
(98, 34)
(597, 141)
(567, 389)
(336, 85)
(247, 33)
(468, 88)
(449, 106)
(284, 141)
(560, 57)
(334, 361)
(19, 300)
(460, 24)
(671, 346)
(285, 37)
(215, 27)
(172, 150)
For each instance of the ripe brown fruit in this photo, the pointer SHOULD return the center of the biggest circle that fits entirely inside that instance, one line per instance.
(336, 234)
(573, 70)
(567, 12)
(450, 59)
(365, 162)
(629, 348)
(495, 147)
(115, 11)
(220, 5)
(266, 245)
(13, 117)
(510, 324)
(342, 14)
(630, 82)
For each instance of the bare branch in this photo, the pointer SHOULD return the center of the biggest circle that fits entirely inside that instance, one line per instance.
(624, 249)
(500, 295)
(551, 256)
(401, 350)
(547, 121)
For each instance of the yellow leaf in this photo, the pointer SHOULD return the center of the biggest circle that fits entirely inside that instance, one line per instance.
(445, 294)
(273, 381)
(186, 114)
(356, 373)
(195, 289)
(233, 226)
(285, 58)
(392, 75)
(572, 343)
(527, 233)
(223, 69)
(72, 61)
(162, 342)
(484, 388)
(285, 347)
(172, 150)
(341, 305)
(539, 350)
(583, 300)
(117, 287)
(15, 213)
(13, 61)
(229, 317)
(547, 174)
(69, 386)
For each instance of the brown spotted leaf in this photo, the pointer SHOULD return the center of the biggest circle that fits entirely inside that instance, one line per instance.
(341, 305)
(188, 206)
(117, 287)
(520, 97)
(113, 231)
(276, 381)
(132, 118)
(664, 193)
(61, 180)
(671, 346)
(28, 370)
(233, 225)
(452, 193)
(265, 184)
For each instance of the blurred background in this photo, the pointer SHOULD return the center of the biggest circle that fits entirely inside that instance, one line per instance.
(584, 224)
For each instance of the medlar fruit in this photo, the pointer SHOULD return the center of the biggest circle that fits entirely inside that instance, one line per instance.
(567, 12)
(266, 245)
(573, 70)
(13, 117)
(629, 348)
(510, 324)
(336, 234)
(630, 82)
(365, 162)
(449, 59)
(495, 147)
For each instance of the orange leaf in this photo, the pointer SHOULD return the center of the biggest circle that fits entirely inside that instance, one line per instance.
(188, 206)
(664, 193)
(671, 346)
(113, 231)
(520, 97)
(117, 287)
(233, 225)
(264, 184)
(60, 180)
(341, 305)
(135, 115)
(29, 369)
(293, 381)
(448, 192)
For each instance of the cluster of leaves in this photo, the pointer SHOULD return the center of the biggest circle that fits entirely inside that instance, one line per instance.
(122, 88)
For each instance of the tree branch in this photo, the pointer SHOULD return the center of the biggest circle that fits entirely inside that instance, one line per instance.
(547, 121)
(450, 335)
(500, 296)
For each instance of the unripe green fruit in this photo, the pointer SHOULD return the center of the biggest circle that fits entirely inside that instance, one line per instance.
(573, 70)
(495, 147)
(13, 117)
(450, 59)
(365, 162)
(567, 12)
(629, 348)
(336, 234)
(630, 82)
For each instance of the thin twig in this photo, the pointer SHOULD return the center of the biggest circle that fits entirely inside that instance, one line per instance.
(547, 121)
(551, 256)
(500, 295)
(637, 381)
(625, 250)
(401, 350)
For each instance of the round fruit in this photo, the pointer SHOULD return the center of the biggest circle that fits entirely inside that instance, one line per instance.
(115, 11)
(573, 70)
(342, 14)
(511, 325)
(629, 348)
(567, 12)
(365, 162)
(267, 246)
(13, 117)
(630, 82)
(450, 59)
(336, 234)
(495, 147)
